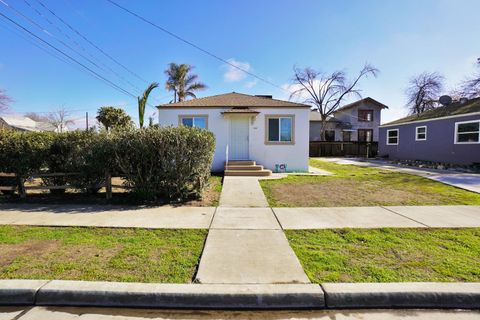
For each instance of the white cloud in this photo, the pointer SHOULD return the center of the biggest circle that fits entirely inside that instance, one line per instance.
(233, 74)
(251, 84)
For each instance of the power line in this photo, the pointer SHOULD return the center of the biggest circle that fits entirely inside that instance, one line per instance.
(108, 68)
(47, 32)
(90, 42)
(92, 72)
(194, 45)
(62, 42)
(37, 45)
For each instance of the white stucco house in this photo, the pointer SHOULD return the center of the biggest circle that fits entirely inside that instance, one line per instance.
(253, 133)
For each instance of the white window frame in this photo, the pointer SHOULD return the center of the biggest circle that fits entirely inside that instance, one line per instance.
(455, 137)
(279, 117)
(398, 137)
(192, 116)
(417, 133)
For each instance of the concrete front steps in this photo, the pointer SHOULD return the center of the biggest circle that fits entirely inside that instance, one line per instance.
(245, 168)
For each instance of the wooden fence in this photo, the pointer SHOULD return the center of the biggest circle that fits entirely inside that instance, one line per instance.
(20, 187)
(343, 149)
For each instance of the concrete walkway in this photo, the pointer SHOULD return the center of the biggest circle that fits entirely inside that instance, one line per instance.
(247, 246)
(166, 217)
(379, 217)
(86, 313)
(467, 181)
(233, 218)
(244, 192)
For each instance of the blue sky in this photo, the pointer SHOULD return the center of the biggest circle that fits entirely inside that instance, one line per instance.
(269, 37)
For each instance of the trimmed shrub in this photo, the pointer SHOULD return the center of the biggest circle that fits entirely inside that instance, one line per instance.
(23, 153)
(83, 152)
(172, 163)
(159, 163)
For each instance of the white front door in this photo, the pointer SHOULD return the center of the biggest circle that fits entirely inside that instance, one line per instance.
(239, 127)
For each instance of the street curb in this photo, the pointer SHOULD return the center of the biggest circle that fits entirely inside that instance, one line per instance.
(237, 296)
(201, 296)
(402, 295)
(19, 292)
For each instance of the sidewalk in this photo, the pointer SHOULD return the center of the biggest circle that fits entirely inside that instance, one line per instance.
(166, 217)
(379, 217)
(69, 313)
(260, 218)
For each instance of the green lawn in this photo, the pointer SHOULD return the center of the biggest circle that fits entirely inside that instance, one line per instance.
(388, 255)
(101, 254)
(361, 186)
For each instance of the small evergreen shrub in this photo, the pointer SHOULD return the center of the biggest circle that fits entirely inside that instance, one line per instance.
(172, 163)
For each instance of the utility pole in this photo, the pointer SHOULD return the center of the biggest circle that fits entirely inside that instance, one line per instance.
(86, 119)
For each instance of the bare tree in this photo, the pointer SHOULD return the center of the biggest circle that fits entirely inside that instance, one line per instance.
(60, 119)
(423, 92)
(471, 87)
(327, 92)
(4, 100)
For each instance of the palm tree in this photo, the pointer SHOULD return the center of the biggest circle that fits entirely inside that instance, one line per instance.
(142, 102)
(182, 82)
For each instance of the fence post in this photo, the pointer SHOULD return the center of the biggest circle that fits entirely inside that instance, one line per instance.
(21, 187)
(108, 185)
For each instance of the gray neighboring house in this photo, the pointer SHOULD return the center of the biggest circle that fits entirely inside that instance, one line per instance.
(20, 123)
(449, 134)
(357, 121)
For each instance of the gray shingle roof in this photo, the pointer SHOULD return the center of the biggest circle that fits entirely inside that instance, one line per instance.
(230, 100)
(361, 101)
(455, 108)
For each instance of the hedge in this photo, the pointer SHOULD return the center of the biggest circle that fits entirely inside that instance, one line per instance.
(159, 163)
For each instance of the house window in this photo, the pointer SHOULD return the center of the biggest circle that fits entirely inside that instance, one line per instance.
(365, 115)
(467, 132)
(421, 133)
(365, 135)
(194, 121)
(392, 137)
(280, 129)
(347, 136)
(329, 135)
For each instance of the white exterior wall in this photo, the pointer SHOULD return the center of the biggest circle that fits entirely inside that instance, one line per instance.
(295, 156)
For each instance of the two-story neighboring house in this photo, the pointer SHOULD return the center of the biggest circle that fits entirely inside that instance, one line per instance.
(357, 121)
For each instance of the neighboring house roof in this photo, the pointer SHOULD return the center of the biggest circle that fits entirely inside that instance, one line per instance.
(362, 101)
(27, 124)
(231, 100)
(315, 115)
(455, 109)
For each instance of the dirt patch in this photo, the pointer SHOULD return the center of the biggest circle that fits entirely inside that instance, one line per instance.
(10, 252)
(210, 195)
(346, 192)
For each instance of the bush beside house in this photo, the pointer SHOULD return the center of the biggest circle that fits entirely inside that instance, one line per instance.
(171, 163)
